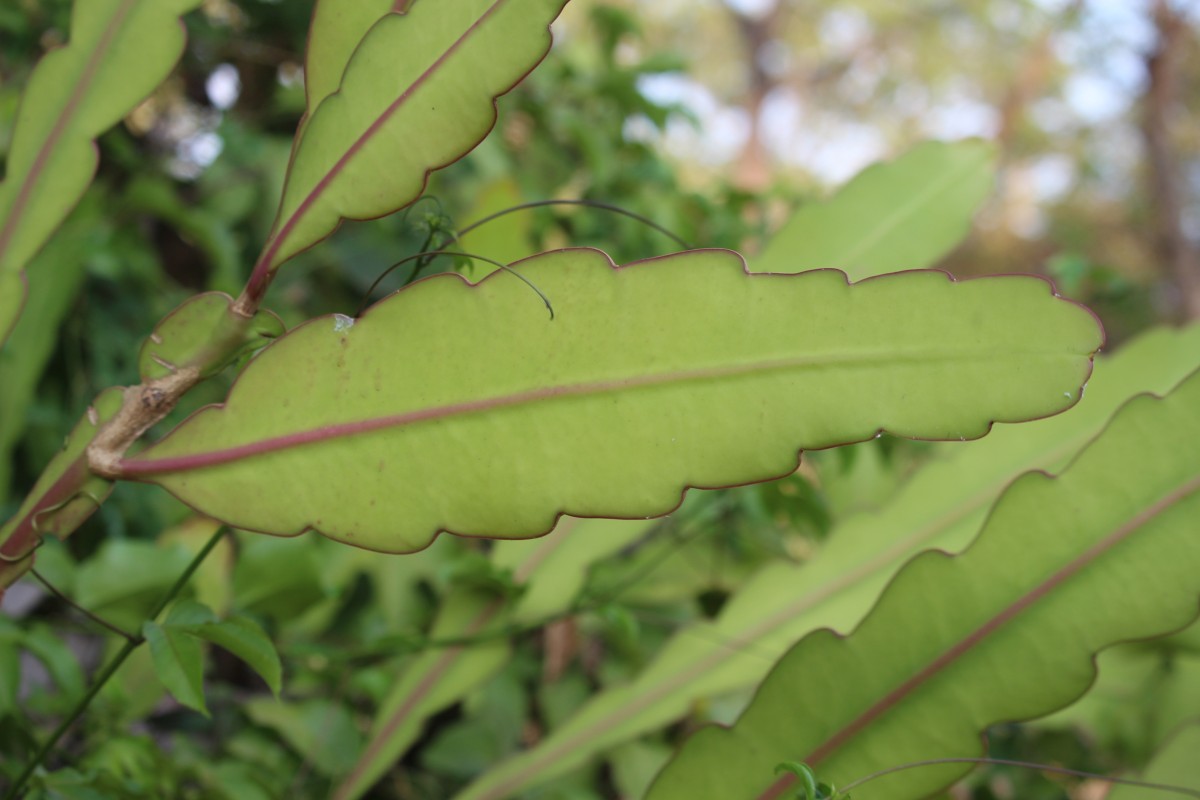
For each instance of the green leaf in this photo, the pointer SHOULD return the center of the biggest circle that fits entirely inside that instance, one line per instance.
(65, 494)
(506, 239)
(553, 570)
(1006, 631)
(185, 337)
(58, 658)
(246, 639)
(276, 577)
(431, 682)
(185, 613)
(1175, 764)
(1144, 692)
(179, 661)
(337, 29)
(418, 93)
(322, 731)
(125, 579)
(904, 214)
(942, 506)
(460, 407)
(118, 52)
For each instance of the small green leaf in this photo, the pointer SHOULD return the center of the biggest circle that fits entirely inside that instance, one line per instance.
(460, 407)
(246, 639)
(806, 776)
(186, 613)
(179, 661)
(903, 214)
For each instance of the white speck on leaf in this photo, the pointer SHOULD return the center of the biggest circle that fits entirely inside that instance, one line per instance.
(342, 323)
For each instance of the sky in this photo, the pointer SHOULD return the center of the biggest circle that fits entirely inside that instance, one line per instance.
(1099, 93)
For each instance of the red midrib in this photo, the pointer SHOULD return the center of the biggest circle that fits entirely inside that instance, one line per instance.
(447, 659)
(277, 240)
(734, 645)
(893, 698)
(82, 85)
(138, 467)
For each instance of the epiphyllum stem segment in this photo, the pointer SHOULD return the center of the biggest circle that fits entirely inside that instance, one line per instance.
(144, 405)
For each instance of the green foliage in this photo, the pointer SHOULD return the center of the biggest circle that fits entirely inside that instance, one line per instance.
(547, 576)
(902, 215)
(941, 506)
(517, 385)
(119, 51)
(176, 647)
(1174, 764)
(353, 159)
(1017, 624)
(462, 406)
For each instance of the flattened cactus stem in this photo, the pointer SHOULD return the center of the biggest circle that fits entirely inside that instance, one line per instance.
(251, 297)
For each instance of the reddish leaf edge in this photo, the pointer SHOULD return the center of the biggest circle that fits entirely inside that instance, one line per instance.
(847, 733)
(260, 277)
(398, 7)
(997, 621)
(25, 537)
(56, 131)
(139, 469)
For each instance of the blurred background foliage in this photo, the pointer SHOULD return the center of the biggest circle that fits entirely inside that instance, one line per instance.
(714, 119)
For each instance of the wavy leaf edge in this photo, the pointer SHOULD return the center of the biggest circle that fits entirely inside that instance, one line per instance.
(46, 150)
(788, 781)
(281, 228)
(135, 469)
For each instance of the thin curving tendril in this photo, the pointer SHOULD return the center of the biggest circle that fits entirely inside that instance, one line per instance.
(435, 253)
(1162, 787)
(649, 223)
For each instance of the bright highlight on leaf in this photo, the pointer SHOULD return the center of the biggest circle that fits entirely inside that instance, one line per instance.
(1006, 631)
(460, 407)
